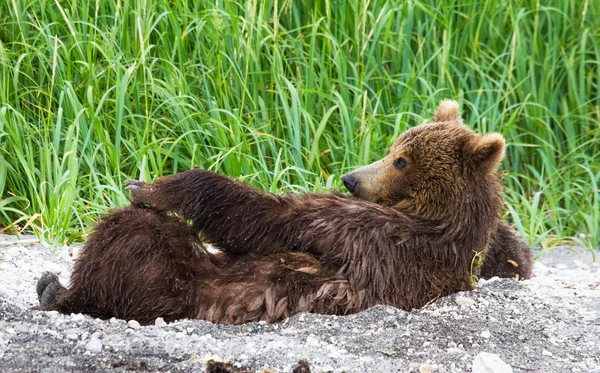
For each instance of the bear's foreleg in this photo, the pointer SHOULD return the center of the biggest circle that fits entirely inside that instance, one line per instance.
(234, 216)
(241, 219)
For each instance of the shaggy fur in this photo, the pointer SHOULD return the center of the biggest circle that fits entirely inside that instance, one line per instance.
(325, 253)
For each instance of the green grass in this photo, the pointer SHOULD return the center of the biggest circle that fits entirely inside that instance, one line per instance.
(288, 95)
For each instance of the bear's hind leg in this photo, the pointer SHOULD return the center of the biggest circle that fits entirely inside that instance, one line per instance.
(137, 264)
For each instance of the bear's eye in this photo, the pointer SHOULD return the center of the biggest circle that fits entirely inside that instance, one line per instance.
(400, 163)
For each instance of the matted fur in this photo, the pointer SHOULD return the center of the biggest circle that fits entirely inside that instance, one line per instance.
(322, 253)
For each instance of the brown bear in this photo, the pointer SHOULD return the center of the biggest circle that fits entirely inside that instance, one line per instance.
(408, 236)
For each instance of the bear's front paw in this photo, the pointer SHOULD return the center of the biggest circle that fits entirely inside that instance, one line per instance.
(140, 191)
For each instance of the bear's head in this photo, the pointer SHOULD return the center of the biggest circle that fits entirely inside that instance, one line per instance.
(441, 171)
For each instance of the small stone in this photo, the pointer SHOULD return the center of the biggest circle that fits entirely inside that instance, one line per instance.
(77, 317)
(428, 368)
(94, 346)
(52, 267)
(160, 321)
(133, 324)
(464, 301)
(486, 334)
(312, 341)
(546, 353)
(581, 264)
(53, 333)
(454, 351)
(490, 363)
(422, 368)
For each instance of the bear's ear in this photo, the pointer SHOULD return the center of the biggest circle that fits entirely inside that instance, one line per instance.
(447, 111)
(486, 152)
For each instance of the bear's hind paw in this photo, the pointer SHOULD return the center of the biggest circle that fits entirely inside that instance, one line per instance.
(47, 288)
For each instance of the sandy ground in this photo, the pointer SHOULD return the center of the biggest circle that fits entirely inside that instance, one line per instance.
(550, 323)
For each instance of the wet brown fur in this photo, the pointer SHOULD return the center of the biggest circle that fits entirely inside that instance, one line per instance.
(322, 253)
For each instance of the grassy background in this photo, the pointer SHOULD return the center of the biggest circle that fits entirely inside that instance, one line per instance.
(288, 95)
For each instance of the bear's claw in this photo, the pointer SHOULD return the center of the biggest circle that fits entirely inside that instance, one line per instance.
(133, 184)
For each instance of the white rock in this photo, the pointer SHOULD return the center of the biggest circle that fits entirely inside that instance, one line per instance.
(52, 267)
(580, 264)
(490, 363)
(133, 324)
(160, 321)
(464, 301)
(94, 346)
(422, 368)
(546, 353)
(428, 368)
(483, 281)
(77, 317)
(486, 334)
(454, 351)
(312, 341)
(414, 366)
(53, 333)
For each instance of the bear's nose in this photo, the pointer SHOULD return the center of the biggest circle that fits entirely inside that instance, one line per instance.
(350, 182)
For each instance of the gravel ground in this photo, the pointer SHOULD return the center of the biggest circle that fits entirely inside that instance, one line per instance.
(550, 323)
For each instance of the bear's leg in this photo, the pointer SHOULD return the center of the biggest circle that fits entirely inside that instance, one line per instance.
(240, 219)
(507, 256)
(138, 264)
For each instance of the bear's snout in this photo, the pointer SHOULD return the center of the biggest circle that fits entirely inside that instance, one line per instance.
(350, 182)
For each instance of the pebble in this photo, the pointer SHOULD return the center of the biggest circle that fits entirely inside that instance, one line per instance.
(160, 321)
(52, 267)
(133, 324)
(464, 301)
(312, 341)
(94, 346)
(428, 368)
(490, 363)
(77, 317)
(486, 334)
(422, 368)
(454, 351)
